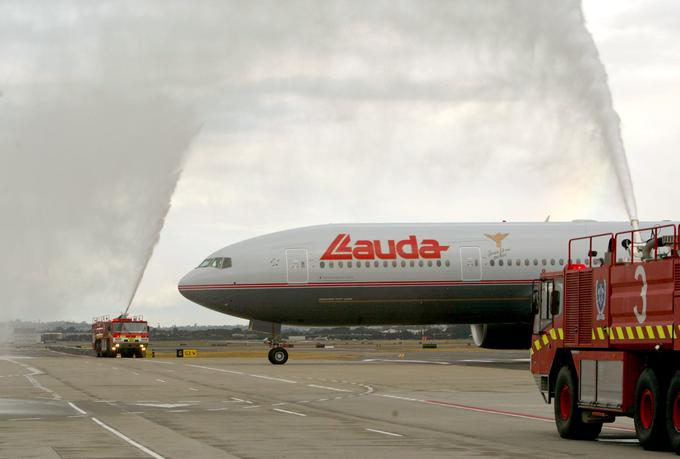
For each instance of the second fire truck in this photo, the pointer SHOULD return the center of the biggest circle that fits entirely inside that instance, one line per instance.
(125, 336)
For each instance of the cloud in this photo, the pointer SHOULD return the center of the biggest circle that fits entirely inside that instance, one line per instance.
(317, 112)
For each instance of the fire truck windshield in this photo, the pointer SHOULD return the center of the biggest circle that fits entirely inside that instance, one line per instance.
(130, 327)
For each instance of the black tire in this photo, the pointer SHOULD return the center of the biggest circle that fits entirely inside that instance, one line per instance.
(568, 416)
(278, 356)
(650, 411)
(673, 412)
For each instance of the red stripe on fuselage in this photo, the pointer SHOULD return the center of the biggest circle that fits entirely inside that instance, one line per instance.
(353, 284)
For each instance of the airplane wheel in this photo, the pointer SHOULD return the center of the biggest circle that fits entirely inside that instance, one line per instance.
(673, 412)
(650, 412)
(278, 356)
(567, 413)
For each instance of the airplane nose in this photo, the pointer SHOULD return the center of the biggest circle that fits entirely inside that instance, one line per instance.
(185, 284)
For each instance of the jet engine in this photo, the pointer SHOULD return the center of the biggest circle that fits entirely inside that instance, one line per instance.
(502, 336)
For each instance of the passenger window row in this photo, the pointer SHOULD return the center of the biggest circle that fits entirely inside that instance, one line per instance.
(536, 261)
(527, 262)
(438, 263)
(384, 264)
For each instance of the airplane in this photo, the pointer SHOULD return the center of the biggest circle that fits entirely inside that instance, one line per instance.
(393, 274)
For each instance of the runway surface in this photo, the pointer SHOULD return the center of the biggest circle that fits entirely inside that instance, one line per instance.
(56, 405)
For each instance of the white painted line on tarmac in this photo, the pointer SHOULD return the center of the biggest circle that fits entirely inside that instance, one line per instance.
(369, 389)
(328, 388)
(279, 404)
(108, 402)
(33, 381)
(391, 434)
(135, 373)
(216, 409)
(37, 385)
(289, 412)
(128, 439)
(161, 380)
(72, 405)
(618, 440)
(193, 389)
(178, 411)
(221, 370)
(25, 419)
(164, 405)
(399, 398)
(251, 406)
(271, 378)
(432, 362)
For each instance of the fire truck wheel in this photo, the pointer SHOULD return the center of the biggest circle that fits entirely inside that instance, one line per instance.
(567, 413)
(650, 412)
(673, 412)
(278, 356)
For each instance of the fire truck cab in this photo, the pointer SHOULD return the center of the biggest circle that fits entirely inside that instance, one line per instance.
(125, 336)
(605, 338)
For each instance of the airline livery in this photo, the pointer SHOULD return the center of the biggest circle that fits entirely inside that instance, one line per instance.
(392, 274)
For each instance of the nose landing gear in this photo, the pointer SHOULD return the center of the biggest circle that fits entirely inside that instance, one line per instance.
(278, 355)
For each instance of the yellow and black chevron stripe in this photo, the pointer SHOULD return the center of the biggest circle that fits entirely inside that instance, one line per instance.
(554, 334)
(616, 333)
(636, 333)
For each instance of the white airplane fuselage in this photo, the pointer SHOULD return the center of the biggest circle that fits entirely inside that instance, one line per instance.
(389, 274)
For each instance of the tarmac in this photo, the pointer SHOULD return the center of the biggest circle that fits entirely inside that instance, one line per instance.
(455, 403)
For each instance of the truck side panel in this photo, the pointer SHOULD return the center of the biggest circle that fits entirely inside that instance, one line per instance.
(642, 306)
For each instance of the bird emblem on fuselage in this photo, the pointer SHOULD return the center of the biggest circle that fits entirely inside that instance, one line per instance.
(497, 238)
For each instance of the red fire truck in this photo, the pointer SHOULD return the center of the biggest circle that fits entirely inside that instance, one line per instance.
(124, 335)
(605, 339)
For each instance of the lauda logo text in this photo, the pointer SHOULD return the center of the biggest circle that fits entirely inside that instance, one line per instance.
(342, 248)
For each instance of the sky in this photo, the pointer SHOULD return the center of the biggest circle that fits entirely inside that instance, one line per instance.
(296, 115)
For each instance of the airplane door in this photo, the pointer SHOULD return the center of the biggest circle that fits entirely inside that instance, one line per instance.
(297, 266)
(471, 263)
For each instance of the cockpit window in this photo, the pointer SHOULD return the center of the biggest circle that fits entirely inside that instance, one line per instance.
(219, 263)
